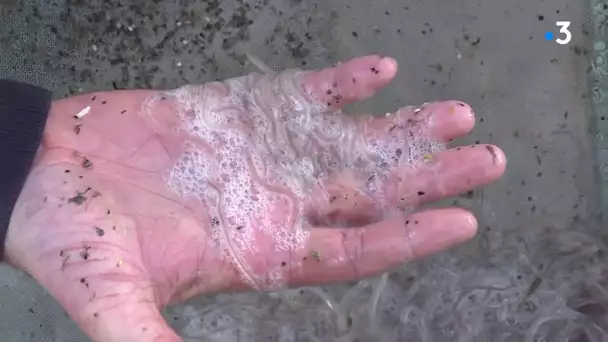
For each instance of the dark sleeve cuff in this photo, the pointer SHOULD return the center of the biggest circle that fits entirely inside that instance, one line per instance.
(23, 112)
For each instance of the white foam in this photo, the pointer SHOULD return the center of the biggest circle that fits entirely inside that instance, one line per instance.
(271, 147)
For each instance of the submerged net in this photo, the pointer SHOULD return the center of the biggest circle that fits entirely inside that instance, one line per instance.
(523, 284)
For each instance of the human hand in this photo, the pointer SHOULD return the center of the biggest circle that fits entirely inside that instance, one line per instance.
(253, 183)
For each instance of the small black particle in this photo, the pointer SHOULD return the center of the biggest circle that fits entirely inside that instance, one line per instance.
(335, 84)
(476, 41)
(114, 85)
(492, 152)
(77, 129)
(79, 199)
(215, 221)
(99, 231)
(104, 102)
(437, 66)
(541, 17)
(477, 142)
(86, 163)
(61, 253)
(468, 194)
(93, 98)
(387, 13)
(354, 80)
(329, 103)
(355, 34)
(540, 174)
(458, 148)
(398, 152)
(31, 310)
(374, 71)
(392, 128)
(602, 118)
(328, 92)
(82, 280)
(108, 212)
(67, 171)
(95, 315)
(421, 193)
(283, 264)
(407, 222)
(516, 134)
(239, 227)
(163, 98)
(113, 227)
(124, 111)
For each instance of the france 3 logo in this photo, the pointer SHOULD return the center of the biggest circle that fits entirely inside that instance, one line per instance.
(564, 32)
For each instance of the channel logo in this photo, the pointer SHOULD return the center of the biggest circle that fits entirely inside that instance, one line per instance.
(564, 32)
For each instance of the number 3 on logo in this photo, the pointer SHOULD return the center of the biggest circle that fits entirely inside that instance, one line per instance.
(564, 29)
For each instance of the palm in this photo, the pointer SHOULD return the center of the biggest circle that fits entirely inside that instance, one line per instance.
(153, 197)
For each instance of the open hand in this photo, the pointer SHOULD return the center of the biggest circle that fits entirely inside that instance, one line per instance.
(258, 182)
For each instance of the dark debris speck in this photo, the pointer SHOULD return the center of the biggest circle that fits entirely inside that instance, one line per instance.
(100, 232)
(79, 199)
(86, 163)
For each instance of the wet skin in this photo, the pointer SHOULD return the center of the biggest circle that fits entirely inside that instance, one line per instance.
(252, 183)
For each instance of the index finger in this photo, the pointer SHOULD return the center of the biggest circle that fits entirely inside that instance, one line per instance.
(349, 82)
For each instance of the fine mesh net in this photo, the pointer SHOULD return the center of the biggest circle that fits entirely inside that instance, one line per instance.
(535, 272)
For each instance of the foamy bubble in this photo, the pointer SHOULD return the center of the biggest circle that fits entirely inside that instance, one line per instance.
(270, 148)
